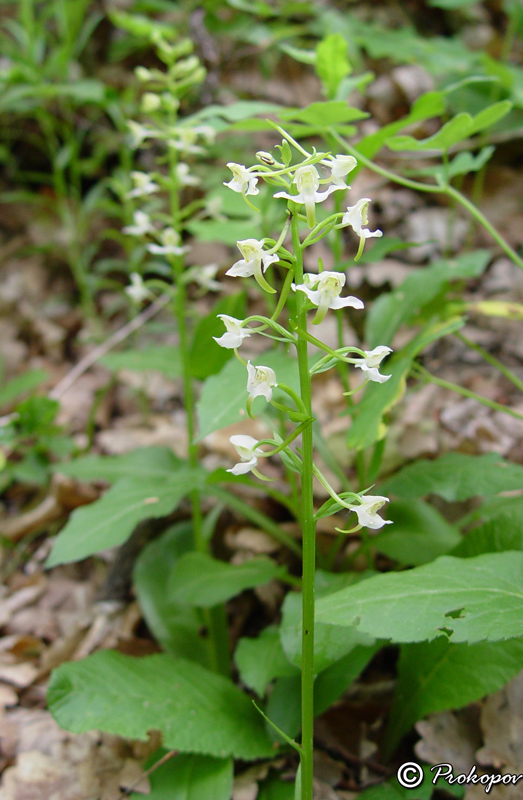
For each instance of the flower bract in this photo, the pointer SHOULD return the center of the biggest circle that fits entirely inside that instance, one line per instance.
(234, 335)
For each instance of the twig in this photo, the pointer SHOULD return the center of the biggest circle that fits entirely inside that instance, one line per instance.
(160, 763)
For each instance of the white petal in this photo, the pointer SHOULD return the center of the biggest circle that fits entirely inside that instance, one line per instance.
(296, 197)
(346, 302)
(229, 340)
(243, 467)
(373, 374)
(241, 269)
(321, 196)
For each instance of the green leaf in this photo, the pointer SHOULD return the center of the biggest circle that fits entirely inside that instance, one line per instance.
(284, 705)
(462, 164)
(196, 710)
(332, 64)
(451, 4)
(176, 627)
(190, 777)
(368, 427)
(144, 462)
(110, 521)
(159, 358)
(455, 477)
(502, 529)
(223, 398)
(207, 357)
(276, 789)
(419, 534)
(261, 660)
(335, 679)
(332, 112)
(399, 307)
(435, 676)
(392, 790)
(26, 382)
(475, 599)
(455, 130)
(198, 579)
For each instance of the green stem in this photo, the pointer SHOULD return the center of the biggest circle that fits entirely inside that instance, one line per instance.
(309, 537)
(421, 372)
(492, 360)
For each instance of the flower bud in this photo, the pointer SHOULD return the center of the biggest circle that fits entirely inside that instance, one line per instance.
(265, 158)
(150, 102)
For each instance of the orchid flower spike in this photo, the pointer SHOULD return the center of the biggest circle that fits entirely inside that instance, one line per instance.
(204, 277)
(142, 225)
(136, 290)
(367, 511)
(184, 176)
(170, 244)
(139, 133)
(340, 167)
(234, 335)
(246, 448)
(260, 381)
(307, 182)
(143, 185)
(370, 363)
(356, 218)
(243, 180)
(254, 262)
(324, 291)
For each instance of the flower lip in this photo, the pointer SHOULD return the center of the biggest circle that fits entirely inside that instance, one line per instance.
(260, 381)
(234, 335)
(367, 511)
(246, 447)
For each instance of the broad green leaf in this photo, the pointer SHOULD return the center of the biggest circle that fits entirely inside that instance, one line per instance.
(223, 397)
(455, 477)
(501, 530)
(26, 382)
(144, 462)
(197, 579)
(330, 643)
(368, 426)
(284, 705)
(382, 247)
(436, 676)
(462, 164)
(419, 534)
(332, 64)
(276, 789)
(455, 130)
(160, 358)
(261, 660)
(336, 678)
(196, 710)
(392, 790)
(235, 112)
(190, 777)
(474, 599)
(331, 112)
(110, 521)
(399, 307)
(175, 626)
(452, 4)
(226, 231)
(207, 357)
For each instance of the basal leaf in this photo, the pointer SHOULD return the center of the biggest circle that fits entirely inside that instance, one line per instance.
(110, 521)
(262, 659)
(198, 579)
(160, 358)
(144, 462)
(190, 777)
(196, 710)
(455, 477)
(501, 530)
(419, 534)
(332, 64)
(331, 112)
(475, 599)
(435, 676)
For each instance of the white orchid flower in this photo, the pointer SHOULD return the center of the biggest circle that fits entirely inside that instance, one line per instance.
(142, 225)
(243, 180)
(137, 291)
(143, 185)
(370, 363)
(246, 448)
(170, 244)
(184, 176)
(204, 277)
(184, 140)
(340, 167)
(356, 218)
(234, 335)
(260, 381)
(307, 182)
(324, 291)
(254, 262)
(139, 133)
(367, 511)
